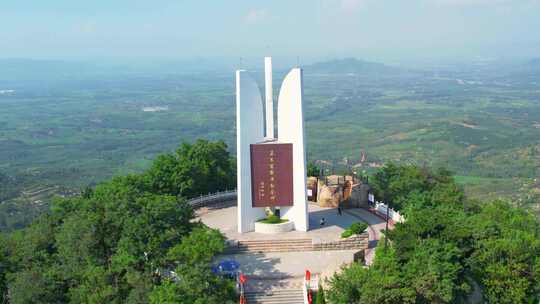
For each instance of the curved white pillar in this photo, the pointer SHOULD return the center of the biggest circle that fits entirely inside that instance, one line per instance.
(249, 130)
(269, 97)
(291, 130)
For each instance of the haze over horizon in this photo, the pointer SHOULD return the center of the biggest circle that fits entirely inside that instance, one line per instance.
(376, 30)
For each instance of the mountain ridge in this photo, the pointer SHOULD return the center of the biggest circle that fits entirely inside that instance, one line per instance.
(351, 65)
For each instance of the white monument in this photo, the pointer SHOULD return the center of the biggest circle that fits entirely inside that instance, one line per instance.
(269, 97)
(271, 171)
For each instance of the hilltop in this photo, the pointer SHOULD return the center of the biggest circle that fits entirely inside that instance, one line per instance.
(352, 65)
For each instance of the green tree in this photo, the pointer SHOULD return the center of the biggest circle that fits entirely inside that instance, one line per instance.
(37, 284)
(4, 268)
(95, 286)
(447, 247)
(507, 255)
(195, 282)
(313, 170)
(380, 283)
(395, 183)
(113, 243)
(320, 299)
(435, 272)
(198, 248)
(193, 169)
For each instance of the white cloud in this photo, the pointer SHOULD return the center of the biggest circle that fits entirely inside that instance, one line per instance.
(256, 16)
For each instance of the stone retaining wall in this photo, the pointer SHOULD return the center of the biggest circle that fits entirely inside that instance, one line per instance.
(360, 241)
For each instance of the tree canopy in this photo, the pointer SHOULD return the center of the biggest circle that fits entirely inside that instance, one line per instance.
(121, 241)
(193, 169)
(313, 170)
(407, 185)
(449, 250)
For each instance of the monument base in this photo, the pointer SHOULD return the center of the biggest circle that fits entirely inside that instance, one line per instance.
(274, 228)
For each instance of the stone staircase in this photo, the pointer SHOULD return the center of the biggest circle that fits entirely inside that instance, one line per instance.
(282, 296)
(271, 246)
(359, 242)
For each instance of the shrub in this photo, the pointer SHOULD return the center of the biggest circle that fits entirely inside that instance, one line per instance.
(320, 296)
(358, 228)
(347, 233)
(273, 219)
(355, 228)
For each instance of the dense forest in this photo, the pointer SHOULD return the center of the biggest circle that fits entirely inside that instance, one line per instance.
(132, 239)
(448, 250)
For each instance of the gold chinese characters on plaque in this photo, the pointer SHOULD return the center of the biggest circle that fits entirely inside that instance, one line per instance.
(272, 174)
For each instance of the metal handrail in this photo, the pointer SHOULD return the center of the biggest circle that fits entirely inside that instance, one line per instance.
(218, 196)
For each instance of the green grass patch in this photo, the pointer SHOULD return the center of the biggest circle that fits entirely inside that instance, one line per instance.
(273, 219)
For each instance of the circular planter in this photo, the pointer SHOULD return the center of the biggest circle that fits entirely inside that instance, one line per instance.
(274, 228)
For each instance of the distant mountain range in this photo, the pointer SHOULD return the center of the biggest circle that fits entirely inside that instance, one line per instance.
(42, 70)
(54, 70)
(533, 66)
(535, 62)
(354, 66)
(525, 73)
(21, 69)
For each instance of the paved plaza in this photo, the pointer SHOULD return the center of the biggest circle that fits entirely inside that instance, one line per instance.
(283, 265)
(278, 270)
(225, 219)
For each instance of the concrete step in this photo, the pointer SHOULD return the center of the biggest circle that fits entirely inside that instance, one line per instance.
(274, 248)
(263, 250)
(294, 245)
(292, 296)
(275, 241)
(272, 245)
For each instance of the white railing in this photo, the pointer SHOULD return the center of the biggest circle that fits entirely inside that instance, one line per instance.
(314, 282)
(218, 197)
(305, 293)
(310, 285)
(394, 215)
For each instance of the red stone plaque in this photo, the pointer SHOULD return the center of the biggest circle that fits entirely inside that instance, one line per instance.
(271, 174)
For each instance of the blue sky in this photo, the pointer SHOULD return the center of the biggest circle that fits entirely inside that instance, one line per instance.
(386, 30)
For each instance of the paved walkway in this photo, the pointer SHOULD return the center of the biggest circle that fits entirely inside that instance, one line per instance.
(277, 265)
(285, 270)
(224, 219)
(376, 229)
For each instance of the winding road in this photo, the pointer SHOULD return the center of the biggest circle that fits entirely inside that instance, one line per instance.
(376, 229)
